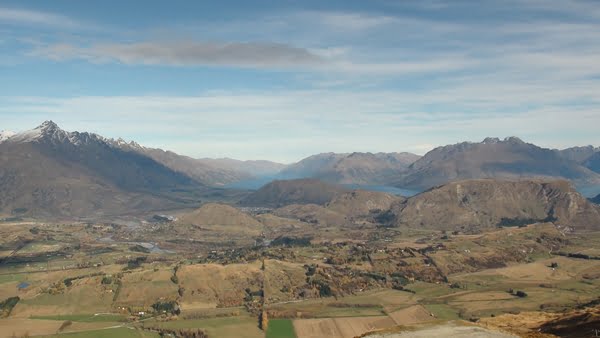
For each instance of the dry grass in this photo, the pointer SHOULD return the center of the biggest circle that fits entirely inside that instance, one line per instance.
(411, 315)
(348, 327)
(211, 285)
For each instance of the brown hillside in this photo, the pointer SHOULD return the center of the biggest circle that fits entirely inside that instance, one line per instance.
(313, 214)
(362, 203)
(221, 217)
(475, 204)
(301, 191)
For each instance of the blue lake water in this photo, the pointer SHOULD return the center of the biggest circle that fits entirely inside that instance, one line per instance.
(589, 191)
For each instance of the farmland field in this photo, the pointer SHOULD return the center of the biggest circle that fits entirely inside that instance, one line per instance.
(280, 328)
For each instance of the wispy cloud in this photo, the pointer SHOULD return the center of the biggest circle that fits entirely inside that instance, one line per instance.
(188, 53)
(30, 17)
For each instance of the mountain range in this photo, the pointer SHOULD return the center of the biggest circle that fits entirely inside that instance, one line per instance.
(510, 158)
(49, 171)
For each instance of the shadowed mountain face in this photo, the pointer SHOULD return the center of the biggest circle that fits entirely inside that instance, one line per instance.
(593, 162)
(190, 167)
(493, 158)
(301, 191)
(354, 168)
(596, 199)
(47, 171)
(474, 205)
(210, 172)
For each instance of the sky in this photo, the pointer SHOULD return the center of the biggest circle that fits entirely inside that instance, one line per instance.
(282, 80)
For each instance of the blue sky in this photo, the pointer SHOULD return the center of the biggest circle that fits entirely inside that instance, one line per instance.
(282, 80)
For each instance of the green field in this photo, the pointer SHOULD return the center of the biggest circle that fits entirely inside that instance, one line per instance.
(227, 327)
(280, 328)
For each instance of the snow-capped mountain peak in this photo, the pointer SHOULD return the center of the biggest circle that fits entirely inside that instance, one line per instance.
(48, 129)
(6, 134)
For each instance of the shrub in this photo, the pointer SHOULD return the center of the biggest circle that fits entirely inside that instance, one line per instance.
(167, 307)
(7, 305)
(64, 325)
(175, 279)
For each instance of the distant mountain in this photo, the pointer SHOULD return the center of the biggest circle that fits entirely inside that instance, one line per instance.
(354, 168)
(301, 191)
(492, 158)
(254, 168)
(476, 205)
(596, 199)
(48, 171)
(578, 154)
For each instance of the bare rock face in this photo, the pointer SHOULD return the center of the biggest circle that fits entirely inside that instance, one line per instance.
(286, 192)
(474, 205)
(510, 158)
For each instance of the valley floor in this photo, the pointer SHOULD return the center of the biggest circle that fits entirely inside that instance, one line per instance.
(72, 282)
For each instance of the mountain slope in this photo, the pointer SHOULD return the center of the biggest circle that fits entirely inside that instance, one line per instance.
(354, 168)
(474, 205)
(285, 192)
(193, 168)
(492, 158)
(47, 171)
(596, 199)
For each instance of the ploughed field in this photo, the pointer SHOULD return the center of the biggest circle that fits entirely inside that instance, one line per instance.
(95, 280)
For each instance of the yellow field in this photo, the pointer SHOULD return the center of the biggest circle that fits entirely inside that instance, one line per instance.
(144, 288)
